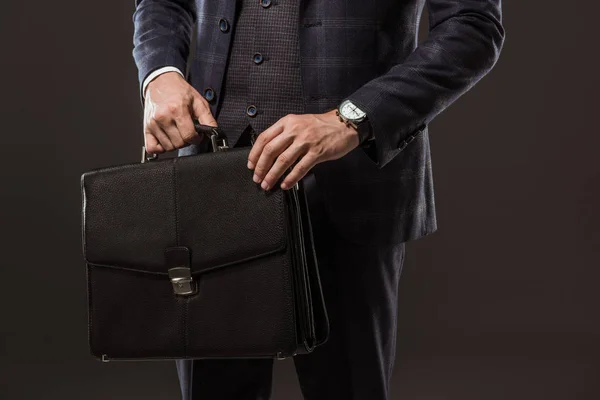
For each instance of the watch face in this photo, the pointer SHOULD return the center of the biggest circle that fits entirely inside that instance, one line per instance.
(350, 111)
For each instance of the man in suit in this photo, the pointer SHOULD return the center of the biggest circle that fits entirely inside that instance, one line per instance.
(338, 93)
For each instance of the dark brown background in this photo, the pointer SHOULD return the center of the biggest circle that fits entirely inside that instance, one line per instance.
(501, 303)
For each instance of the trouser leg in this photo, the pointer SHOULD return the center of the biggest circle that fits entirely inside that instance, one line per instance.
(234, 379)
(360, 285)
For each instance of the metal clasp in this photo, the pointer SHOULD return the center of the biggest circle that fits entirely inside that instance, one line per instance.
(218, 142)
(181, 279)
(178, 261)
(147, 156)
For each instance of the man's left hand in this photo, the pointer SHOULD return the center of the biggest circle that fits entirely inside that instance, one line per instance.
(301, 139)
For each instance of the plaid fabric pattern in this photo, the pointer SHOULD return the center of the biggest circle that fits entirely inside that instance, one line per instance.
(363, 50)
(273, 86)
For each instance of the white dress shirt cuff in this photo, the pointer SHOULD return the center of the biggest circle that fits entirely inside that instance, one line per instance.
(156, 73)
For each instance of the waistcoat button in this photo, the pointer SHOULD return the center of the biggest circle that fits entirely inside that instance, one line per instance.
(258, 58)
(251, 110)
(265, 3)
(209, 94)
(223, 25)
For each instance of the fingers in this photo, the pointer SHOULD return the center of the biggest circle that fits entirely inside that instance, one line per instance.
(300, 170)
(152, 145)
(170, 105)
(186, 130)
(198, 108)
(263, 139)
(284, 161)
(271, 151)
(201, 110)
(159, 137)
(169, 126)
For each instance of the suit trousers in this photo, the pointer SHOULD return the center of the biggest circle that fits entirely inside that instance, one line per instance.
(360, 285)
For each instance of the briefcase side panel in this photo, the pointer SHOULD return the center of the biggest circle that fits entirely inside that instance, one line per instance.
(300, 283)
(311, 314)
(317, 300)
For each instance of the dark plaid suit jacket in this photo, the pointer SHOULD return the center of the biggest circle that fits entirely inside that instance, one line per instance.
(366, 51)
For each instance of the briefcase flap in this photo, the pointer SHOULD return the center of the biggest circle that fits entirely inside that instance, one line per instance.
(207, 203)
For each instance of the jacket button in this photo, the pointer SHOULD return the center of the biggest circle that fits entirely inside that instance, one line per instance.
(251, 110)
(258, 58)
(265, 3)
(223, 25)
(402, 145)
(209, 94)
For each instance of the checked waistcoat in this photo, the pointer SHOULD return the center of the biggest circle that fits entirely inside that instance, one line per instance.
(262, 82)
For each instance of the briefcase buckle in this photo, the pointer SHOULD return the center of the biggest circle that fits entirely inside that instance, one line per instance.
(181, 279)
(218, 143)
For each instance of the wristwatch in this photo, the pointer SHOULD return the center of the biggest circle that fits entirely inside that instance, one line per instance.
(350, 114)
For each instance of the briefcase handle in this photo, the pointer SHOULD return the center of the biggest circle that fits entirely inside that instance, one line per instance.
(217, 137)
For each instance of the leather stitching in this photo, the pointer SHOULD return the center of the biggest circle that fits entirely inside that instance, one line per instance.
(175, 201)
(184, 315)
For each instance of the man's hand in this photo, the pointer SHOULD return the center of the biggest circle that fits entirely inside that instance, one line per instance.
(170, 105)
(311, 138)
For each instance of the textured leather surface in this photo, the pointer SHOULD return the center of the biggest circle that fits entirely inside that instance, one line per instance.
(247, 252)
(185, 200)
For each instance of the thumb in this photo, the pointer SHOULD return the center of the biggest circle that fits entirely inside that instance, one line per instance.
(201, 110)
(152, 145)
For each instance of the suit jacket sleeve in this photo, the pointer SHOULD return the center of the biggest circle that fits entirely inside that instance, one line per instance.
(162, 35)
(464, 42)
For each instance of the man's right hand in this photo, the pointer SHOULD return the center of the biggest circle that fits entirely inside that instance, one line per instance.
(169, 106)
